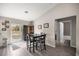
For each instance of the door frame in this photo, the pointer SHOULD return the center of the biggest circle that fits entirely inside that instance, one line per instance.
(56, 21)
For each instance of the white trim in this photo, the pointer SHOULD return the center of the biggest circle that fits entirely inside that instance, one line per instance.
(66, 21)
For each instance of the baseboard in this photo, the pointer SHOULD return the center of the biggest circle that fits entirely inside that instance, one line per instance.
(77, 54)
(50, 45)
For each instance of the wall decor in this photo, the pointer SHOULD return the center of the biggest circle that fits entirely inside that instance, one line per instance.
(6, 21)
(39, 26)
(3, 23)
(46, 25)
(7, 26)
(3, 29)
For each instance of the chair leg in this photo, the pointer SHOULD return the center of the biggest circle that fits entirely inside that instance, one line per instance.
(41, 47)
(27, 46)
(33, 47)
(44, 46)
(30, 47)
(36, 45)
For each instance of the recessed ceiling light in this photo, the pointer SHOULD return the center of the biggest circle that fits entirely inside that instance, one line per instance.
(25, 11)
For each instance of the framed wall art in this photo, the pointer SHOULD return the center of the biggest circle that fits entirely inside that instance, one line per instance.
(39, 26)
(46, 25)
(7, 26)
(3, 23)
(6, 21)
(3, 29)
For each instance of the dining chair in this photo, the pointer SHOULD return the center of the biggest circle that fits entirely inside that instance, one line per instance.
(31, 43)
(41, 42)
(27, 40)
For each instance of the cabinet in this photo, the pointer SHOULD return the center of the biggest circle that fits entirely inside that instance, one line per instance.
(27, 29)
(31, 29)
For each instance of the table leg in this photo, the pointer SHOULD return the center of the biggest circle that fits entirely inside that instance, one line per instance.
(36, 45)
(33, 47)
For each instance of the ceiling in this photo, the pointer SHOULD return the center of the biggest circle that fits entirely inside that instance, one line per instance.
(17, 10)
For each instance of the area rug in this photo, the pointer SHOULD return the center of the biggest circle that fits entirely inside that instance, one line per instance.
(14, 47)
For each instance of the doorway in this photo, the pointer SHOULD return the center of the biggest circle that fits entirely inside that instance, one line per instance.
(65, 32)
(15, 33)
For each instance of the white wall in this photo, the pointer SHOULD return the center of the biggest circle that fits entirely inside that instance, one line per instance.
(61, 11)
(73, 33)
(4, 34)
(77, 35)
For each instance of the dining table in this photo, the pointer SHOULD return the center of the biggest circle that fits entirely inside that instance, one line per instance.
(36, 38)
